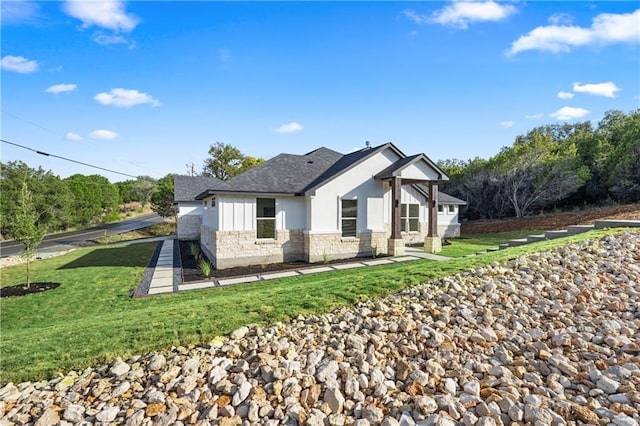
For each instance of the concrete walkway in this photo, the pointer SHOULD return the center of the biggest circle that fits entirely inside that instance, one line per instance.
(163, 282)
(162, 278)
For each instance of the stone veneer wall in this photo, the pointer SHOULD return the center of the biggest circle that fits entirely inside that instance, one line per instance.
(449, 231)
(189, 227)
(320, 247)
(227, 249)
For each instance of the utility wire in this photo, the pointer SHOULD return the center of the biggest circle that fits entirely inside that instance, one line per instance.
(67, 159)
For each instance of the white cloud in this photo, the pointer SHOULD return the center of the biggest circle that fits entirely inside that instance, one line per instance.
(107, 14)
(125, 98)
(560, 19)
(18, 64)
(569, 113)
(565, 95)
(61, 88)
(507, 123)
(103, 134)
(534, 116)
(460, 14)
(607, 89)
(74, 136)
(15, 12)
(606, 28)
(107, 39)
(292, 127)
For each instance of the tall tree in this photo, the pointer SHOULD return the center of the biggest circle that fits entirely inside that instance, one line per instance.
(144, 188)
(28, 230)
(226, 161)
(539, 171)
(162, 198)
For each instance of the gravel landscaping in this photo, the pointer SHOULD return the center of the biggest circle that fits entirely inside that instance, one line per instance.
(548, 339)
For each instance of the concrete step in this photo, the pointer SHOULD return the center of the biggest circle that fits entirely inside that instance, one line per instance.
(478, 253)
(556, 234)
(503, 246)
(535, 238)
(490, 249)
(605, 223)
(517, 242)
(579, 229)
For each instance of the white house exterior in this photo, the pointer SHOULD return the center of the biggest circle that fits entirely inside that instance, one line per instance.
(322, 206)
(189, 210)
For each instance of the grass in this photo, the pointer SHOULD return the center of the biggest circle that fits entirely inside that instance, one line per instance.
(90, 318)
(473, 243)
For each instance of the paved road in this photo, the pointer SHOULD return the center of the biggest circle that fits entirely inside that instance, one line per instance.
(51, 242)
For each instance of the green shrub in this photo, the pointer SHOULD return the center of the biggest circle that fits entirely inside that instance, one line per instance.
(205, 267)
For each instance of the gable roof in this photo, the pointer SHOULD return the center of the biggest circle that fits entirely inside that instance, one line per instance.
(396, 168)
(291, 174)
(186, 188)
(282, 174)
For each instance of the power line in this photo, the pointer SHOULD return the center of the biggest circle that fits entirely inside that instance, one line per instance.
(67, 159)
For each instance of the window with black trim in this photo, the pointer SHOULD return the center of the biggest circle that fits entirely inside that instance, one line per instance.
(266, 218)
(409, 217)
(452, 208)
(349, 217)
(440, 208)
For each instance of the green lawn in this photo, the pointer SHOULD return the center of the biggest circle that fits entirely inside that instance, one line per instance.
(91, 318)
(473, 243)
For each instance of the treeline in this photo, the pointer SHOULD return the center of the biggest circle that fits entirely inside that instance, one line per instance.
(553, 166)
(76, 201)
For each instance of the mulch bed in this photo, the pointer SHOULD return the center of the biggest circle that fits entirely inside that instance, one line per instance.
(191, 272)
(23, 290)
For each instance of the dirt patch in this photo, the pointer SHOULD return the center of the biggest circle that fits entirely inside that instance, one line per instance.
(191, 272)
(552, 222)
(23, 290)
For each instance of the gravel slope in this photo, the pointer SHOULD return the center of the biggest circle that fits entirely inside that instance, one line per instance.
(550, 338)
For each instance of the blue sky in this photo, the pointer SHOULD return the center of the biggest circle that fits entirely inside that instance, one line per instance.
(145, 87)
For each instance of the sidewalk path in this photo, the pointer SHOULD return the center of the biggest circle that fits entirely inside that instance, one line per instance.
(162, 278)
(166, 275)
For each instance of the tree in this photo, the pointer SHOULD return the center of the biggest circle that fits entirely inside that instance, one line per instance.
(622, 167)
(226, 161)
(144, 187)
(539, 171)
(28, 230)
(162, 198)
(51, 196)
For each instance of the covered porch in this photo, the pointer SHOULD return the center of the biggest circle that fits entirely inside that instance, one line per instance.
(413, 170)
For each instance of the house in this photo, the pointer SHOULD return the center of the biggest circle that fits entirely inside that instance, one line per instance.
(324, 205)
(189, 210)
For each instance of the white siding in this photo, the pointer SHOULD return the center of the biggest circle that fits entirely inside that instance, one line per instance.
(210, 215)
(190, 208)
(418, 171)
(239, 213)
(355, 184)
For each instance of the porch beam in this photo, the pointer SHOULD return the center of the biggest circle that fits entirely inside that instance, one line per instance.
(396, 190)
(432, 228)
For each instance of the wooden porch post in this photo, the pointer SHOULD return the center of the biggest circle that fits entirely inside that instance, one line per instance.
(432, 243)
(396, 190)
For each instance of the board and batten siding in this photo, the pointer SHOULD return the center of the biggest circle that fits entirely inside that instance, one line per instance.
(239, 213)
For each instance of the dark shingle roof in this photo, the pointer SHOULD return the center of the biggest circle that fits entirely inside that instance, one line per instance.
(449, 199)
(299, 174)
(282, 174)
(186, 188)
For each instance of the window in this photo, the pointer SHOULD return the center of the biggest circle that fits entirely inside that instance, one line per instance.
(213, 202)
(410, 217)
(440, 208)
(266, 218)
(452, 209)
(349, 217)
